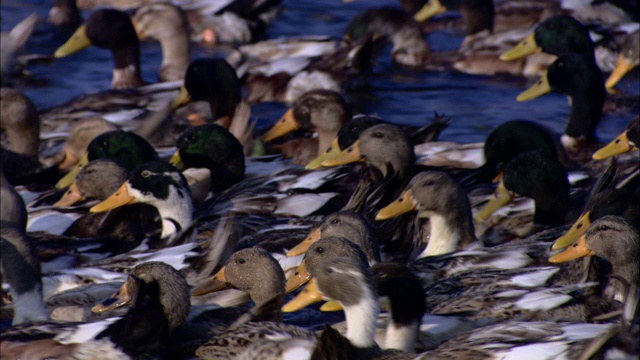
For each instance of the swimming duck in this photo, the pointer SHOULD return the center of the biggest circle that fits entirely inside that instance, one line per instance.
(159, 295)
(627, 141)
(627, 60)
(166, 23)
(438, 196)
(533, 174)
(110, 29)
(581, 80)
(614, 239)
(321, 111)
(161, 185)
(213, 81)
(124, 147)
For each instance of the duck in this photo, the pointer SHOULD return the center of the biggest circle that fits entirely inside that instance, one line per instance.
(605, 238)
(627, 59)
(627, 141)
(166, 23)
(110, 29)
(581, 80)
(159, 297)
(80, 136)
(124, 147)
(12, 43)
(436, 195)
(535, 175)
(161, 185)
(321, 111)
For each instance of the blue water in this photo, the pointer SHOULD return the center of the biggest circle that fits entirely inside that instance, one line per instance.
(475, 103)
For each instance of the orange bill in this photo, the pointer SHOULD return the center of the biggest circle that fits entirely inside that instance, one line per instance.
(302, 247)
(215, 283)
(301, 277)
(402, 205)
(119, 299)
(623, 66)
(70, 159)
(575, 251)
(284, 126)
(70, 197)
(120, 198)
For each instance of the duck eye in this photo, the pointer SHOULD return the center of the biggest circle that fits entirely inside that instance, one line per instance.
(604, 227)
(329, 270)
(377, 135)
(241, 261)
(335, 221)
(429, 183)
(320, 250)
(145, 173)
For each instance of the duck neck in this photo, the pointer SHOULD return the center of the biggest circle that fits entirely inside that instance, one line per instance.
(586, 111)
(126, 71)
(445, 237)
(361, 320)
(551, 212)
(176, 213)
(175, 56)
(402, 336)
(627, 268)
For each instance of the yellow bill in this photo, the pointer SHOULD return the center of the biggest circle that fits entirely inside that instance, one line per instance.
(575, 251)
(120, 198)
(176, 160)
(402, 205)
(68, 179)
(617, 146)
(302, 247)
(309, 295)
(500, 198)
(524, 48)
(183, 98)
(284, 126)
(538, 89)
(70, 197)
(429, 10)
(578, 229)
(76, 42)
(331, 306)
(623, 66)
(346, 156)
(332, 152)
(301, 277)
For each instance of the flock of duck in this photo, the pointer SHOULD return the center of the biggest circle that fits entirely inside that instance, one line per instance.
(151, 221)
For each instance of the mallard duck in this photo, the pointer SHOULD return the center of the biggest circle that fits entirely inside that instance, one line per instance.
(581, 80)
(110, 29)
(533, 174)
(161, 185)
(159, 295)
(321, 111)
(438, 196)
(627, 141)
(124, 147)
(213, 81)
(627, 60)
(12, 43)
(165, 22)
(616, 240)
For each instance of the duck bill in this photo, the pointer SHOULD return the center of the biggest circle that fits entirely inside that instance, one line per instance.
(302, 247)
(120, 198)
(70, 197)
(76, 42)
(69, 159)
(136, 26)
(525, 47)
(284, 126)
(332, 152)
(301, 277)
(617, 146)
(576, 251)
(183, 98)
(402, 205)
(331, 306)
(538, 89)
(119, 299)
(578, 229)
(623, 66)
(176, 160)
(500, 198)
(309, 295)
(346, 156)
(429, 10)
(68, 179)
(215, 283)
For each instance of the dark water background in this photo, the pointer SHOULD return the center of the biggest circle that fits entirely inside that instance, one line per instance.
(476, 103)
